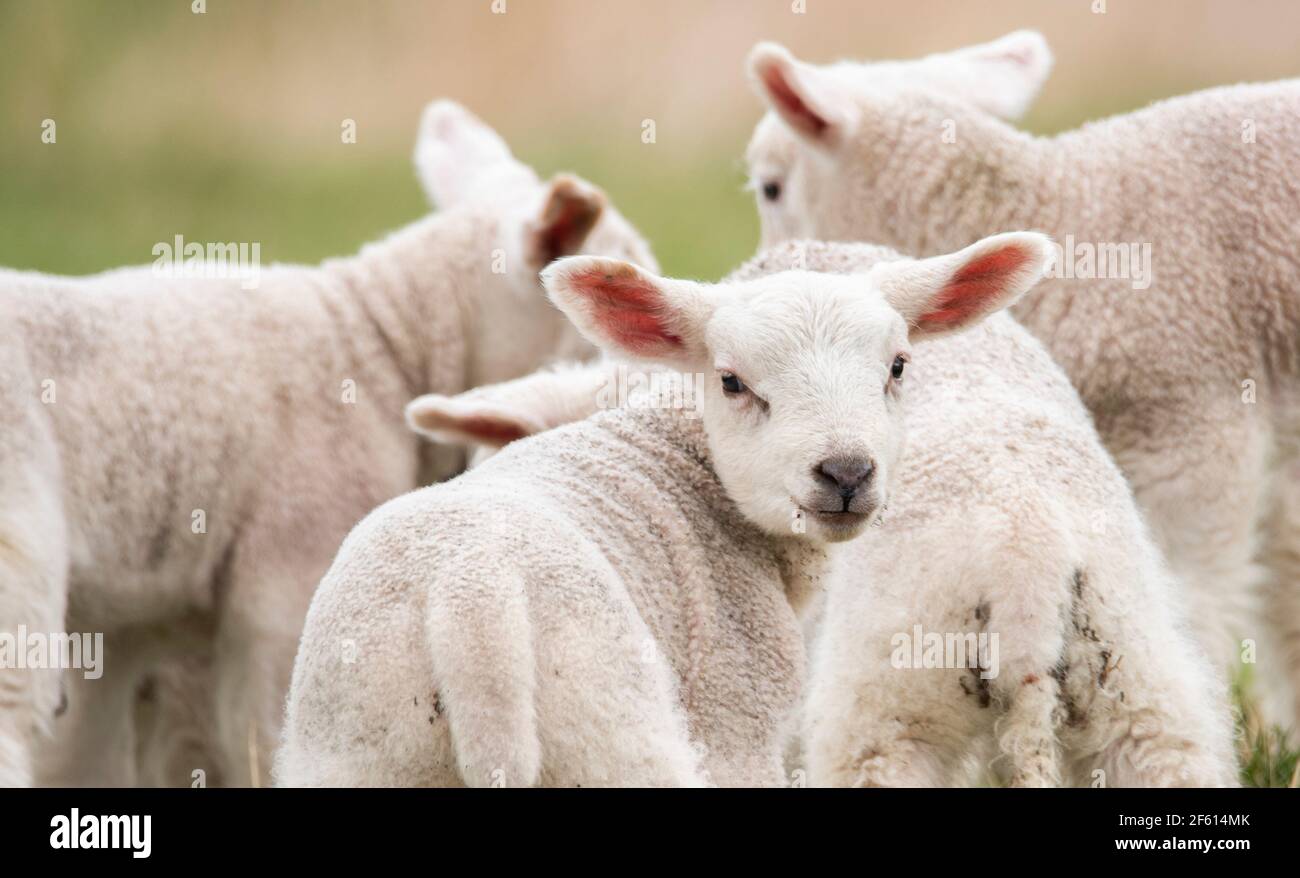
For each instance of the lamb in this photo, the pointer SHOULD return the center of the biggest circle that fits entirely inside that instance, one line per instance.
(171, 722)
(613, 602)
(1184, 344)
(1009, 529)
(183, 456)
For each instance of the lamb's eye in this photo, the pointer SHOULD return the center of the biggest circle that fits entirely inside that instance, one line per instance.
(731, 385)
(899, 365)
(772, 191)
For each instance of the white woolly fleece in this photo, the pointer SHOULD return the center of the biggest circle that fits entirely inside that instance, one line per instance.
(587, 608)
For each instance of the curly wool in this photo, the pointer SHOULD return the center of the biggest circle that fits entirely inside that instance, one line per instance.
(587, 608)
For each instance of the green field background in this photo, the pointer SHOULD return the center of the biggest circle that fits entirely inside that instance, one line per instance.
(224, 126)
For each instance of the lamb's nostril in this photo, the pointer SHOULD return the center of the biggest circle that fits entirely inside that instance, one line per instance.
(847, 474)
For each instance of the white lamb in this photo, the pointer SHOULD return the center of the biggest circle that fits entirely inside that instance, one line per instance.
(182, 456)
(613, 601)
(1007, 522)
(1011, 535)
(1186, 346)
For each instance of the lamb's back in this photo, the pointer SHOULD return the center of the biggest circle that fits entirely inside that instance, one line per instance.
(1207, 180)
(167, 396)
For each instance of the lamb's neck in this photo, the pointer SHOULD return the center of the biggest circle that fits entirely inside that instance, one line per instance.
(992, 178)
(406, 298)
(679, 436)
(804, 566)
(802, 563)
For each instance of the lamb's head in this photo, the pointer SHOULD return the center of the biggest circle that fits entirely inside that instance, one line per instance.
(464, 164)
(804, 373)
(834, 133)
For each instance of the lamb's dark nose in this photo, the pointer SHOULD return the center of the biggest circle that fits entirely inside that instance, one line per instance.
(847, 474)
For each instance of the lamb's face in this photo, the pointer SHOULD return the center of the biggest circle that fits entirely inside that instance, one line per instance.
(801, 194)
(834, 133)
(804, 382)
(804, 373)
(526, 223)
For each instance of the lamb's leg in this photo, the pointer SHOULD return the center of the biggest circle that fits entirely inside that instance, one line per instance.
(1161, 719)
(93, 736)
(1205, 497)
(886, 756)
(1283, 560)
(895, 729)
(33, 564)
(1149, 709)
(1027, 732)
(620, 725)
(257, 636)
(246, 704)
(173, 722)
(1150, 751)
(33, 599)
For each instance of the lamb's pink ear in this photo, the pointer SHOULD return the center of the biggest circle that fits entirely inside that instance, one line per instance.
(799, 93)
(1002, 77)
(466, 420)
(949, 293)
(628, 311)
(571, 210)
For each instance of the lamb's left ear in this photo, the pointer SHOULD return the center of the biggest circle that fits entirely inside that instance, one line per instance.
(630, 312)
(466, 420)
(1002, 77)
(488, 418)
(570, 211)
(949, 293)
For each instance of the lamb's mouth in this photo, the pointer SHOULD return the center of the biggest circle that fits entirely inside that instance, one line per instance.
(843, 517)
(840, 522)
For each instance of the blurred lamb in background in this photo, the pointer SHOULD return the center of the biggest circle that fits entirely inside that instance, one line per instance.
(210, 445)
(1190, 365)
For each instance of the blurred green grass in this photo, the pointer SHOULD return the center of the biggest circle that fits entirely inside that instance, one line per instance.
(1267, 754)
(153, 107)
(73, 211)
(223, 126)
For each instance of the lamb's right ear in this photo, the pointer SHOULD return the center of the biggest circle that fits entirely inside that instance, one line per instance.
(801, 94)
(457, 151)
(945, 294)
(1003, 76)
(467, 420)
(628, 311)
